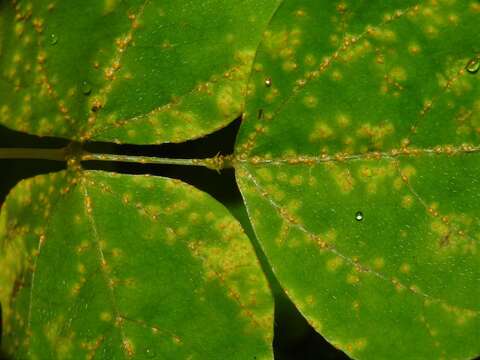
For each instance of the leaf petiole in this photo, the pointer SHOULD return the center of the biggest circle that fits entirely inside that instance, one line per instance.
(217, 163)
(32, 153)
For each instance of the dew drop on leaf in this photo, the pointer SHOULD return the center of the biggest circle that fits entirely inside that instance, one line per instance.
(53, 39)
(473, 65)
(359, 216)
(86, 88)
(268, 82)
(149, 353)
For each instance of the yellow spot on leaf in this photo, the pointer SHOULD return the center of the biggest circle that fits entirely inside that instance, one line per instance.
(343, 120)
(227, 102)
(407, 201)
(378, 263)
(296, 180)
(105, 316)
(334, 263)
(414, 49)
(321, 132)
(405, 268)
(398, 74)
(265, 174)
(310, 101)
(109, 6)
(353, 279)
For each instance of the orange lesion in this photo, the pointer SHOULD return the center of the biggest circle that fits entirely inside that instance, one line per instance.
(93, 346)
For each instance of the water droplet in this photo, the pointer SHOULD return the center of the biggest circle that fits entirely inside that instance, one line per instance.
(473, 65)
(86, 88)
(268, 82)
(53, 39)
(150, 353)
(359, 216)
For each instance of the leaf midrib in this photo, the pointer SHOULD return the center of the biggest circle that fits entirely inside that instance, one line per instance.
(393, 154)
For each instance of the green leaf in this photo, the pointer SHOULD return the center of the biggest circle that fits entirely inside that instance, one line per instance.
(118, 266)
(359, 163)
(133, 72)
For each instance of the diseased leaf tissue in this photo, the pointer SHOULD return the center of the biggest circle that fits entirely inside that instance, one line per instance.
(357, 159)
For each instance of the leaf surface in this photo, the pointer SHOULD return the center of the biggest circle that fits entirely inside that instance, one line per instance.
(111, 266)
(359, 163)
(142, 71)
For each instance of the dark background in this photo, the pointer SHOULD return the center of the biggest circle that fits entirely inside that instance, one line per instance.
(294, 338)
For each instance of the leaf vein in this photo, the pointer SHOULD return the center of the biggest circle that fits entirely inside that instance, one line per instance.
(103, 263)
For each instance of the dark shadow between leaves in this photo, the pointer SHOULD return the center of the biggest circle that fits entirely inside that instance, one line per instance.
(14, 170)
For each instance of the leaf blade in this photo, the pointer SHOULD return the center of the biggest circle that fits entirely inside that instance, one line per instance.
(355, 109)
(144, 72)
(136, 283)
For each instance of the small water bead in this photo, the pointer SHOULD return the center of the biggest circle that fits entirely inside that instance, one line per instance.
(86, 88)
(268, 82)
(149, 353)
(359, 216)
(53, 39)
(473, 65)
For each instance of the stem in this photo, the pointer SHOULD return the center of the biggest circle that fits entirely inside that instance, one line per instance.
(137, 159)
(216, 163)
(73, 151)
(29, 153)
